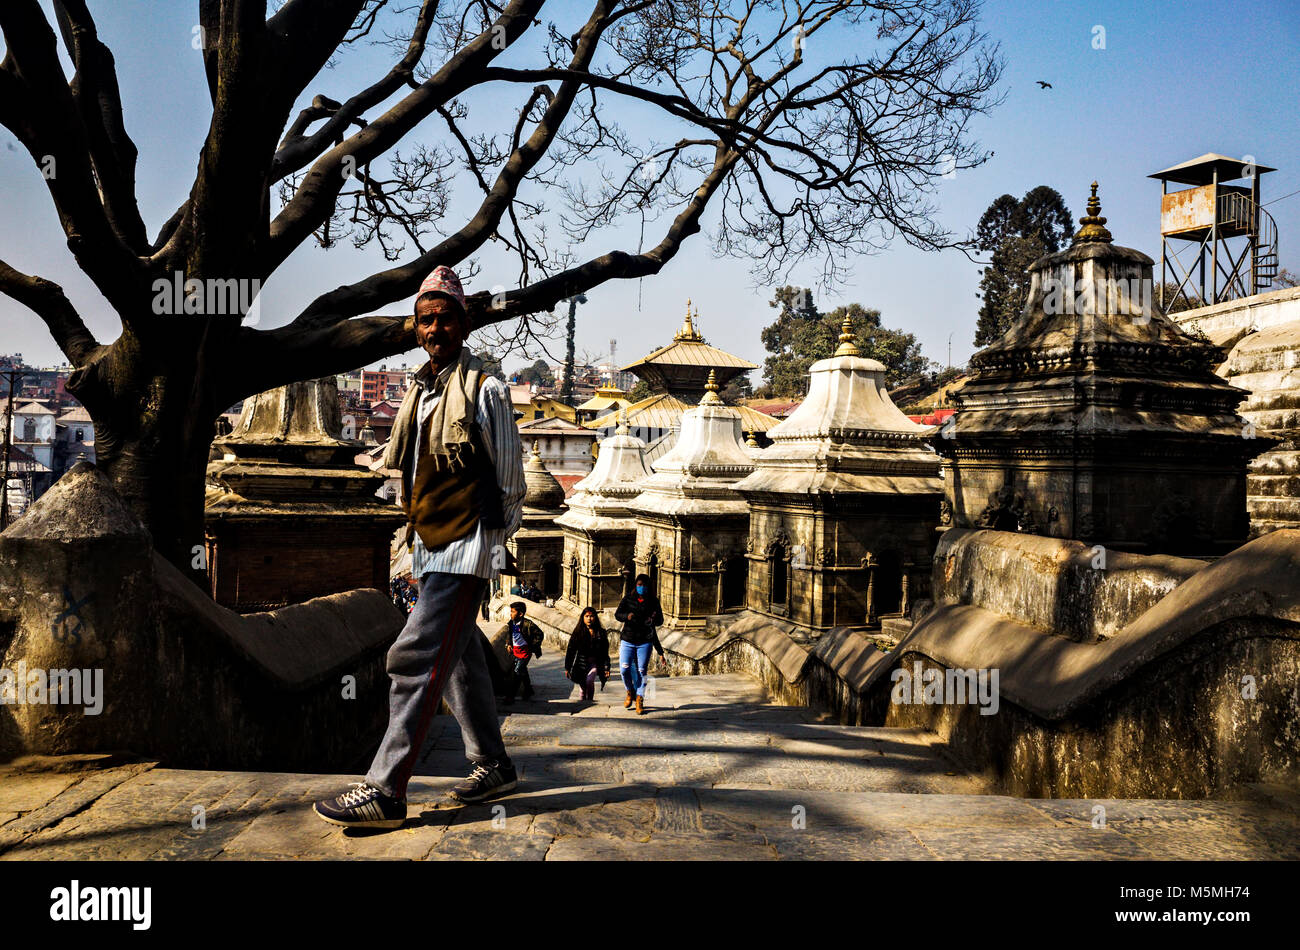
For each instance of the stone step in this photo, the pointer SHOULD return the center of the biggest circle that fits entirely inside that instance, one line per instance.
(1273, 509)
(1275, 462)
(1273, 421)
(1279, 379)
(1260, 355)
(1271, 399)
(1273, 486)
(260, 816)
(1262, 526)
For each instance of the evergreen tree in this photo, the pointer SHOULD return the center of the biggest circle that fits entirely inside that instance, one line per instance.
(1016, 233)
(566, 387)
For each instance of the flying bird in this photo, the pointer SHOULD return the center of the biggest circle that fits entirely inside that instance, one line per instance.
(1044, 85)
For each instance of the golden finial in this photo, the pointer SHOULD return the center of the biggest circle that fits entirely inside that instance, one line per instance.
(688, 333)
(537, 455)
(752, 441)
(1094, 226)
(711, 397)
(847, 347)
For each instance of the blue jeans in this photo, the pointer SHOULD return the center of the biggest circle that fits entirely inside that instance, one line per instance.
(437, 655)
(634, 673)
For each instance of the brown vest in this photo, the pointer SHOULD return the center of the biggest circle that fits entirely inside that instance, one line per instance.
(450, 493)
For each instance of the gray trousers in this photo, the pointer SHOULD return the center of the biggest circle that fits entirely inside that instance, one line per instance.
(438, 652)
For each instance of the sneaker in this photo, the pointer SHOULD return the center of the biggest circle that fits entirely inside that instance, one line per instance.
(486, 781)
(363, 807)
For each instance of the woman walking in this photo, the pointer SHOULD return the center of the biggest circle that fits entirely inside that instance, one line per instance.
(588, 655)
(640, 613)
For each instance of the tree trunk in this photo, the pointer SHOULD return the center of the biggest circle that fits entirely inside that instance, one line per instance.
(155, 417)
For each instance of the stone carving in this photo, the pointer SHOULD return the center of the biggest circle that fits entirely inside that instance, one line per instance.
(1007, 510)
(945, 512)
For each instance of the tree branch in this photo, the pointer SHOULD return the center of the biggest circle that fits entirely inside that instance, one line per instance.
(99, 102)
(298, 149)
(314, 200)
(47, 300)
(37, 106)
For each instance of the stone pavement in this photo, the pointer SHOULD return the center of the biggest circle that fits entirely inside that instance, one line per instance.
(713, 771)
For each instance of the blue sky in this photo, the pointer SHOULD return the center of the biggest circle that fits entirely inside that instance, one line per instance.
(1175, 80)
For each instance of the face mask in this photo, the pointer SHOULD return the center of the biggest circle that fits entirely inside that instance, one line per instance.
(640, 589)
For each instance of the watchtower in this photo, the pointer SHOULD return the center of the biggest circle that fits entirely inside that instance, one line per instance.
(1234, 238)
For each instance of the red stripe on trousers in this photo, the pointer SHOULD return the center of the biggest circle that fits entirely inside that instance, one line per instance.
(436, 677)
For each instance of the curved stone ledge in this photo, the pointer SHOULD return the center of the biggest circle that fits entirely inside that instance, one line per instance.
(184, 679)
(1159, 709)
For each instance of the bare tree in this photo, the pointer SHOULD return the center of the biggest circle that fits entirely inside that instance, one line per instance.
(808, 129)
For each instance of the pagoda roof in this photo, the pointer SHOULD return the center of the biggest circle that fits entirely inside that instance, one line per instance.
(689, 349)
(606, 397)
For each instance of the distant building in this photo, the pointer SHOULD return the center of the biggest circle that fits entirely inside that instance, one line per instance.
(677, 374)
(74, 437)
(380, 384)
(565, 448)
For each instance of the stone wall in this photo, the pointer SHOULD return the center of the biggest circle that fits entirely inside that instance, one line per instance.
(1079, 591)
(1262, 335)
(601, 558)
(1192, 695)
(687, 552)
(183, 679)
(827, 553)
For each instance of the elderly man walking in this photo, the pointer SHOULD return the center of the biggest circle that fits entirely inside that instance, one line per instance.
(455, 442)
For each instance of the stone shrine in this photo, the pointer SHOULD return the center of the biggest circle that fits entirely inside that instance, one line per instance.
(1095, 418)
(599, 532)
(539, 542)
(289, 515)
(844, 503)
(691, 524)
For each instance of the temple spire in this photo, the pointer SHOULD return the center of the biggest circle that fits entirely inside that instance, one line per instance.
(688, 333)
(847, 346)
(1094, 226)
(711, 397)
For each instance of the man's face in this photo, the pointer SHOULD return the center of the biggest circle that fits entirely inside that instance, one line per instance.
(514, 614)
(439, 329)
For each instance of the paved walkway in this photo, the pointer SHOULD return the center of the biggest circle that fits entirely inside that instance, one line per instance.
(713, 771)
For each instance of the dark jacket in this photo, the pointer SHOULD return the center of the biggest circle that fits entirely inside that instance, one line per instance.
(532, 633)
(585, 651)
(640, 616)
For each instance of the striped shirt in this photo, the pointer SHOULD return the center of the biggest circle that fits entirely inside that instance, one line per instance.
(477, 551)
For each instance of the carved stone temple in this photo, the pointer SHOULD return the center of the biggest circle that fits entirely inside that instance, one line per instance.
(692, 525)
(843, 505)
(289, 515)
(599, 532)
(539, 542)
(1097, 418)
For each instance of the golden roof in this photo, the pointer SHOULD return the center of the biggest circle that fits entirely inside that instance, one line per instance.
(689, 349)
(664, 410)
